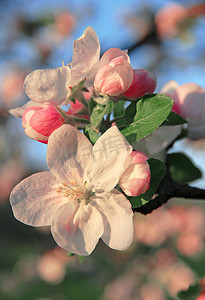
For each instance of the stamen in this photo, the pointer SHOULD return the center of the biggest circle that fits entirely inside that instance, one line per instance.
(76, 189)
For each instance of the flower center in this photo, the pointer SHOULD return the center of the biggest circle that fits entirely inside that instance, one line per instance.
(75, 190)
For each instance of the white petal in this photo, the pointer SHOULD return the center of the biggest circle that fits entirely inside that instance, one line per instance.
(158, 140)
(86, 55)
(18, 112)
(30, 132)
(49, 86)
(69, 151)
(77, 228)
(35, 200)
(118, 219)
(110, 152)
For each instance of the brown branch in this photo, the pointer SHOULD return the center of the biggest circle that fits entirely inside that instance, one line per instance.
(169, 189)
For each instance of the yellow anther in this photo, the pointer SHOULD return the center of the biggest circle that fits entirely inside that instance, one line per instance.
(75, 189)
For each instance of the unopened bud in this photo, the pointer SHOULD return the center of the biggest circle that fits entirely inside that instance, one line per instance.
(114, 78)
(144, 82)
(40, 122)
(136, 178)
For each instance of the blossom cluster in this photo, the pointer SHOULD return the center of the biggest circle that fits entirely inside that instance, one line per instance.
(87, 194)
(48, 89)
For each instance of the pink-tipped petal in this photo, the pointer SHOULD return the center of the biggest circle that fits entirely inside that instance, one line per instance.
(35, 199)
(144, 82)
(114, 78)
(48, 86)
(111, 54)
(136, 178)
(118, 219)
(77, 228)
(138, 157)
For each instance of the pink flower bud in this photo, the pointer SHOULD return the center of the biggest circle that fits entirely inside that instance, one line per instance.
(136, 178)
(40, 122)
(114, 78)
(110, 54)
(144, 82)
(78, 109)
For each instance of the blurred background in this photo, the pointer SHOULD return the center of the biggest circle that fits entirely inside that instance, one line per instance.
(168, 252)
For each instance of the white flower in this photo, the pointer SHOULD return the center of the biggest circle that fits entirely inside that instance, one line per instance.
(77, 198)
(52, 86)
(189, 102)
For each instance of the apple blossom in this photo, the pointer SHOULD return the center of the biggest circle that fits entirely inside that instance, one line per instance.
(77, 197)
(189, 103)
(136, 178)
(114, 78)
(52, 85)
(112, 75)
(168, 20)
(39, 122)
(144, 82)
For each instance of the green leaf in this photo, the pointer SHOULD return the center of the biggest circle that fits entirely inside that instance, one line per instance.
(91, 134)
(174, 119)
(192, 293)
(130, 111)
(99, 111)
(151, 111)
(70, 254)
(158, 170)
(109, 106)
(91, 105)
(182, 168)
(128, 116)
(119, 109)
